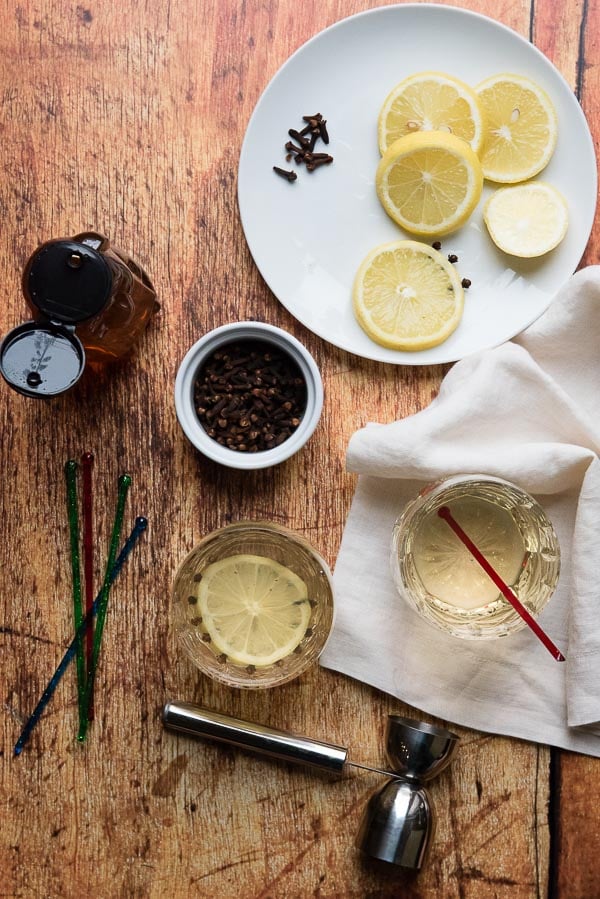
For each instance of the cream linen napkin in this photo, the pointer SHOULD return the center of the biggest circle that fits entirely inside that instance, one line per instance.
(527, 411)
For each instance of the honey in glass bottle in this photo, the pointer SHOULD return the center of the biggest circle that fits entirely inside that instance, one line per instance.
(90, 301)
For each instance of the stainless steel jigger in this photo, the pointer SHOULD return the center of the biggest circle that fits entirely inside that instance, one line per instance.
(398, 821)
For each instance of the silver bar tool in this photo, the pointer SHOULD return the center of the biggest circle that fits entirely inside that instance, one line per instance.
(398, 823)
(191, 719)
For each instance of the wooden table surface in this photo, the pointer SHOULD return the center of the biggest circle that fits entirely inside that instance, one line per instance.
(129, 118)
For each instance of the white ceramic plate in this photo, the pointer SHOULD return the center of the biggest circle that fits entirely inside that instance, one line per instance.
(308, 238)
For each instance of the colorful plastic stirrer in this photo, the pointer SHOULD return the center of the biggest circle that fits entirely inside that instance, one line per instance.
(124, 485)
(140, 526)
(445, 513)
(71, 479)
(87, 463)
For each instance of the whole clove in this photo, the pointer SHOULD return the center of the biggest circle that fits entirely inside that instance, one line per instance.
(313, 120)
(315, 162)
(299, 137)
(267, 409)
(292, 148)
(283, 173)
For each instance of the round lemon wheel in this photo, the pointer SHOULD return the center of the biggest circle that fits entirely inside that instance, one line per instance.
(527, 220)
(255, 610)
(521, 128)
(429, 182)
(431, 101)
(407, 296)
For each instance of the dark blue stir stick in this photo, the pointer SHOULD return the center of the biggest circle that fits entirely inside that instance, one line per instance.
(140, 526)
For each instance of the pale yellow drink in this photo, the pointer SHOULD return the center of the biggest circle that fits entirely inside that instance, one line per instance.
(434, 570)
(446, 567)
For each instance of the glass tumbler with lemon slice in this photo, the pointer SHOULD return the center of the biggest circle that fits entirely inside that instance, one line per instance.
(253, 604)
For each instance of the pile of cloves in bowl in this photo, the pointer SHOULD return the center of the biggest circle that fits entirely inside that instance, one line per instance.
(249, 396)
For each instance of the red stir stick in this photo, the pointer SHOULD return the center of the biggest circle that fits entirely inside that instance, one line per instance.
(445, 513)
(87, 462)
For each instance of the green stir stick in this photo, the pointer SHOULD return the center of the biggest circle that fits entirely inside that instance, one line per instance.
(124, 485)
(71, 479)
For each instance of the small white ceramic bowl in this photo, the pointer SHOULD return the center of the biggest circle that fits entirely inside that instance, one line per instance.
(184, 394)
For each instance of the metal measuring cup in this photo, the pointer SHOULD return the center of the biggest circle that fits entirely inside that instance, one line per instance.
(399, 821)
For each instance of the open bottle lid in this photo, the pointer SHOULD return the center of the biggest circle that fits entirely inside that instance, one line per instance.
(41, 360)
(67, 281)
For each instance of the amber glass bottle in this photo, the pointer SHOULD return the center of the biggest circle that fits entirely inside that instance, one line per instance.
(90, 303)
(87, 283)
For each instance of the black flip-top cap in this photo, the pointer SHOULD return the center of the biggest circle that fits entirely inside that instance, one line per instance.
(67, 281)
(41, 360)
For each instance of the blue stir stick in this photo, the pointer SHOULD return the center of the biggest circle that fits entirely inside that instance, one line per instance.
(140, 526)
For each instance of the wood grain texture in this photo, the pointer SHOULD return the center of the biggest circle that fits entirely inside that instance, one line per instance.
(130, 118)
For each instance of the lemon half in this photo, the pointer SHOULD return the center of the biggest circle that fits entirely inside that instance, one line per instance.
(429, 183)
(527, 220)
(407, 296)
(431, 101)
(255, 610)
(521, 128)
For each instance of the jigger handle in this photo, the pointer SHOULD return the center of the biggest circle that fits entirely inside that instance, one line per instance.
(188, 718)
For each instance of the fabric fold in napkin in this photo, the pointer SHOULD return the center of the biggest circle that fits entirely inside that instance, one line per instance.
(527, 411)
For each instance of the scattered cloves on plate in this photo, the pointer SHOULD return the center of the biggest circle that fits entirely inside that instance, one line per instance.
(452, 257)
(302, 151)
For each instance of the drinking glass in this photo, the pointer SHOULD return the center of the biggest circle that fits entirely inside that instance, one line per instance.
(439, 577)
(281, 546)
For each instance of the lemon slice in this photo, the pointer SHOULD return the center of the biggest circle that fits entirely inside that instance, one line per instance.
(521, 128)
(407, 296)
(429, 182)
(527, 220)
(255, 610)
(431, 101)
